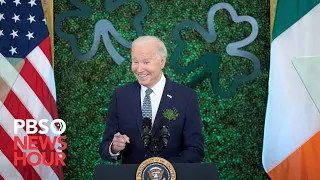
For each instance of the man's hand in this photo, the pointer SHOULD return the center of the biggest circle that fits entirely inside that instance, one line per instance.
(119, 142)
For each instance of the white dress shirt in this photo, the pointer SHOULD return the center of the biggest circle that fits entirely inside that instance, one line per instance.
(155, 98)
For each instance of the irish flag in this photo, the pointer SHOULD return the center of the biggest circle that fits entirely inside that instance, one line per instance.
(291, 149)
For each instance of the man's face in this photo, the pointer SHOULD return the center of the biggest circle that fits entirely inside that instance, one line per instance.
(146, 66)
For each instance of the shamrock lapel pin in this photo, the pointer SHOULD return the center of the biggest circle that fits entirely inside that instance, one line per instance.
(170, 114)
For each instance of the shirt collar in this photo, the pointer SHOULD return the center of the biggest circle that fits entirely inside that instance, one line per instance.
(157, 88)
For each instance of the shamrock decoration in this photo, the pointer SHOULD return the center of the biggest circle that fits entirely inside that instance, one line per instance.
(170, 114)
(210, 61)
(102, 28)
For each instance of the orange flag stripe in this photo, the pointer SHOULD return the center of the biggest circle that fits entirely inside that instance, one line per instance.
(302, 164)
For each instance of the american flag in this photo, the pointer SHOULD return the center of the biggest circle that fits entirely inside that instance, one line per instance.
(27, 87)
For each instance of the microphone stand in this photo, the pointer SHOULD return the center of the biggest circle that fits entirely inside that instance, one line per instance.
(155, 150)
(156, 146)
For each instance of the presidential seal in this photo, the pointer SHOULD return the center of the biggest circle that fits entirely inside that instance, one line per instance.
(156, 168)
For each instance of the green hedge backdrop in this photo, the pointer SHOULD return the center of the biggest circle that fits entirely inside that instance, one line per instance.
(233, 127)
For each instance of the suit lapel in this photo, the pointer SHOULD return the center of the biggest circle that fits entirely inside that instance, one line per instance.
(165, 102)
(136, 106)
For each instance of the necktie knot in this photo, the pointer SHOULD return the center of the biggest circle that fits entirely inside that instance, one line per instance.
(148, 91)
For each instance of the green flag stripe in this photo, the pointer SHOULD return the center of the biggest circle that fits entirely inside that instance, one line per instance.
(289, 12)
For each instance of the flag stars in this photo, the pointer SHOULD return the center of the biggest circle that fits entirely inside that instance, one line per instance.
(1, 16)
(44, 20)
(32, 2)
(31, 19)
(1, 33)
(17, 2)
(13, 50)
(14, 34)
(30, 35)
(2, 2)
(16, 18)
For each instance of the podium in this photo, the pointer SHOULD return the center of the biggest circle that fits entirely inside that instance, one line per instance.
(183, 171)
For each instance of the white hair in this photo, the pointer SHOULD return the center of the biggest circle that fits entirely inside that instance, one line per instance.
(161, 48)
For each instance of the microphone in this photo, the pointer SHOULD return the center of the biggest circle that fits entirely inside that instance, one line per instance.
(146, 131)
(164, 132)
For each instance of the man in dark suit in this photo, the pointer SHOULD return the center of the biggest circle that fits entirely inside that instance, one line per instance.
(152, 96)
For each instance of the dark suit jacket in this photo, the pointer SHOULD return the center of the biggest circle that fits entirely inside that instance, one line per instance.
(186, 143)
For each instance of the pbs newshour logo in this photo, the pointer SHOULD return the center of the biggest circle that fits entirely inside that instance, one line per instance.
(38, 142)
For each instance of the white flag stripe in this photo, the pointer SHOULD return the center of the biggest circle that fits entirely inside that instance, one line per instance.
(292, 117)
(41, 63)
(28, 98)
(8, 126)
(7, 170)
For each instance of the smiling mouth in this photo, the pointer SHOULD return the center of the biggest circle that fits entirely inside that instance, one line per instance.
(142, 76)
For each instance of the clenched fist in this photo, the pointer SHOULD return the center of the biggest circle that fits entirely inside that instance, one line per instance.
(119, 142)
